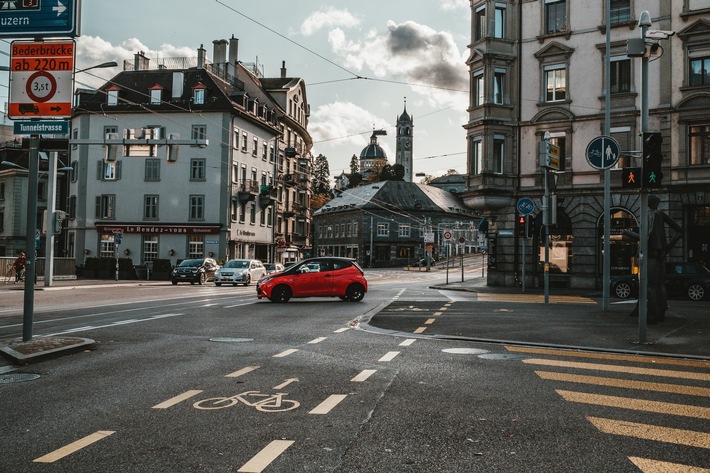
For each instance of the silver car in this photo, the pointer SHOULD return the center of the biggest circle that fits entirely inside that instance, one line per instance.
(239, 271)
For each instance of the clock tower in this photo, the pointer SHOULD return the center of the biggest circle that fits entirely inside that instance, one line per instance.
(405, 143)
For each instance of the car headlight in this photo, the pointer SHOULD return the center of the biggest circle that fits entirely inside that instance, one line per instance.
(265, 279)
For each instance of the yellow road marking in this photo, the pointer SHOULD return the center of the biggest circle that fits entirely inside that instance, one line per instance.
(684, 410)
(626, 384)
(533, 298)
(429, 321)
(267, 455)
(608, 356)
(242, 371)
(389, 356)
(364, 374)
(620, 369)
(654, 466)
(420, 330)
(285, 353)
(74, 446)
(328, 405)
(177, 399)
(657, 433)
(407, 342)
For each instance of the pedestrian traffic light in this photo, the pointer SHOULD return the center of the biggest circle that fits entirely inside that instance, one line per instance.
(631, 178)
(521, 227)
(525, 227)
(529, 226)
(652, 160)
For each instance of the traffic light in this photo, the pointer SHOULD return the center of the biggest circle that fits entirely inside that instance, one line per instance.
(521, 227)
(652, 160)
(631, 178)
(529, 226)
(525, 227)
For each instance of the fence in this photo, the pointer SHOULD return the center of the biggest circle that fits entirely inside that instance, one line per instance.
(64, 268)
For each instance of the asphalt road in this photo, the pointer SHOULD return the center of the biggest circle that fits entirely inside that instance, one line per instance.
(205, 379)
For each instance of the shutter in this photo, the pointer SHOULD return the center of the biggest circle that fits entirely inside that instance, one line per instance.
(99, 170)
(118, 169)
(98, 206)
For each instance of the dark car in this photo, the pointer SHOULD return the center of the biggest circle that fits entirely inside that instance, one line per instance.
(423, 262)
(691, 280)
(315, 277)
(198, 271)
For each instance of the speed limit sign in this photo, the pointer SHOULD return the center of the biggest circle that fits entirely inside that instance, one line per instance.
(447, 235)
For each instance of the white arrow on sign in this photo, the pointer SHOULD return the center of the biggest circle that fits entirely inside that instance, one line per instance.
(60, 8)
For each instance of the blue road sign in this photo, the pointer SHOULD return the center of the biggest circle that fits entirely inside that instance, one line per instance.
(39, 18)
(525, 206)
(53, 127)
(602, 152)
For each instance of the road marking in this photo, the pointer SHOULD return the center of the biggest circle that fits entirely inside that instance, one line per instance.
(420, 330)
(286, 353)
(533, 298)
(237, 305)
(636, 404)
(326, 406)
(607, 356)
(112, 324)
(268, 454)
(437, 313)
(341, 330)
(620, 369)
(407, 342)
(429, 321)
(74, 447)
(389, 356)
(177, 399)
(245, 370)
(317, 340)
(285, 383)
(654, 466)
(656, 433)
(364, 374)
(621, 383)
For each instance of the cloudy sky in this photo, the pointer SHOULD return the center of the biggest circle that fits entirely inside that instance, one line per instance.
(359, 60)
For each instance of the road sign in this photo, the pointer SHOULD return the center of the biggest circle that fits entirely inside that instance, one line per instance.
(41, 79)
(447, 235)
(52, 127)
(602, 152)
(525, 206)
(462, 240)
(549, 155)
(35, 18)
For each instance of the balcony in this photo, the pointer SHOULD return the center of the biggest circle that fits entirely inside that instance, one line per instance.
(247, 190)
(267, 195)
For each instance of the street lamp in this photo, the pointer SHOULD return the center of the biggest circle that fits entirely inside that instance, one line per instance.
(103, 65)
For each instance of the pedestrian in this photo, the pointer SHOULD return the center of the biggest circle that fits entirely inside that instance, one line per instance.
(19, 266)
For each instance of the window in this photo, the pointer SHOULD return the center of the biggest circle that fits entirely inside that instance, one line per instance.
(272, 154)
(699, 73)
(354, 228)
(265, 151)
(150, 207)
(383, 229)
(71, 207)
(620, 75)
(109, 170)
(198, 96)
(478, 88)
(2, 191)
(500, 19)
(199, 132)
(106, 206)
(236, 138)
(477, 155)
(150, 132)
(197, 207)
(252, 213)
(255, 146)
(74, 173)
(107, 246)
(480, 25)
(555, 81)
(152, 170)
(150, 247)
(499, 88)
(245, 141)
(196, 246)
(620, 11)
(2, 221)
(403, 230)
(156, 93)
(498, 153)
(112, 96)
(555, 13)
(234, 210)
(197, 169)
(242, 214)
(699, 145)
(269, 216)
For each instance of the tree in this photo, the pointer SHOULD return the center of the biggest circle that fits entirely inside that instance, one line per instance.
(393, 172)
(319, 200)
(354, 165)
(321, 176)
(451, 172)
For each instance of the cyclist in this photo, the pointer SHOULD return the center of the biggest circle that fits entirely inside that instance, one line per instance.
(19, 266)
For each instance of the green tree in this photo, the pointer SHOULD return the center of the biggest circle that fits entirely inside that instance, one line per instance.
(354, 165)
(321, 176)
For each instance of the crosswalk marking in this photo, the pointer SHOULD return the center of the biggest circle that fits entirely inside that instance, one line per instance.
(267, 455)
(627, 384)
(177, 399)
(657, 433)
(329, 404)
(620, 369)
(74, 446)
(636, 404)
(653, 466)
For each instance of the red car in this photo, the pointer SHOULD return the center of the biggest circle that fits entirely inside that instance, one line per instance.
(315, 277)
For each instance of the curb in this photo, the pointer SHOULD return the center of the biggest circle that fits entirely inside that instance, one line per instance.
(42, 348)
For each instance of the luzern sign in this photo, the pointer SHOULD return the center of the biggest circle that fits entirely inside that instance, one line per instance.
(39, 18)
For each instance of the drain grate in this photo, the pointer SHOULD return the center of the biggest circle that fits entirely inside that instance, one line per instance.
(503, 356)
(17, 377)
(231, 340)
(464, 351)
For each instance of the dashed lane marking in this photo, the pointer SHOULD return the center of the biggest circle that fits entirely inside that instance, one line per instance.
(407, 342)
(267, 455)
(420, 330)
(636, 404)
(389, 356)
(429, 321)
(626, 384)
(74, 446)
(656, 433)
(364, 374)
(285, 383)
(341, 330)
(329, 404)
(245, 370)
(285, 353)
(317, 340)
(620, 369)
(654, 466)
(177, 399)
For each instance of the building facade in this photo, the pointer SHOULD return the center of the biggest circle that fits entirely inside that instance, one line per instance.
(205, 158)
(537, 68)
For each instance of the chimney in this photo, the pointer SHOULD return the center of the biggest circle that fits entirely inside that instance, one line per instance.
(220, 51)
(233, 56)
(283, 69)
(140, 63)
(201, 53)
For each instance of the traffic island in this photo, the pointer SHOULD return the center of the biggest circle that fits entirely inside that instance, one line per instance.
(41, 348)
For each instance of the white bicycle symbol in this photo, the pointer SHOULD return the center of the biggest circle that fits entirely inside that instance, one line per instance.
(265, 403)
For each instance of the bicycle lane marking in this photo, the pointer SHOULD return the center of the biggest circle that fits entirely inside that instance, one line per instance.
(177, 399)
(329, 404)
(74, 447)
(245, 370)
(266, 456)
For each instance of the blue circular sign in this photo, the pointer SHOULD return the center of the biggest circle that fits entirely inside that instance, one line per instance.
(602, 152)
(525, 206)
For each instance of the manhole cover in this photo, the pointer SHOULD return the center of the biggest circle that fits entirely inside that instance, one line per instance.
(17, 377)
(503, 356)
(464, 351)
(231, 340)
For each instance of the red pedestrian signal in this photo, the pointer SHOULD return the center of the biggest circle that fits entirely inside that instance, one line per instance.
(631, 178)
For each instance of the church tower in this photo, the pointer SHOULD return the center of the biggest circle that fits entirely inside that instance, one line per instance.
(405, 143)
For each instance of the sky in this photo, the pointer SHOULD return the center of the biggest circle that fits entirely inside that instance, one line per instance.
(360, 62)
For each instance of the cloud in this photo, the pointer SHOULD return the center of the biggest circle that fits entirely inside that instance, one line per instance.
(447, 5)
(329, 18)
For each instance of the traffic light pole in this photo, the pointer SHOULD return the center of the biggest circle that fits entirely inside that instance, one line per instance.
(644, 22)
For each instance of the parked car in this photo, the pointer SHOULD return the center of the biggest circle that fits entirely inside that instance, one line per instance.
(423, 262)
(198, 270)
(239, 271)
(315, 277)
(274, 268)
(691, 280)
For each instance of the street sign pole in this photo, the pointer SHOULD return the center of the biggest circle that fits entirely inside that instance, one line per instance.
(30, 269)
